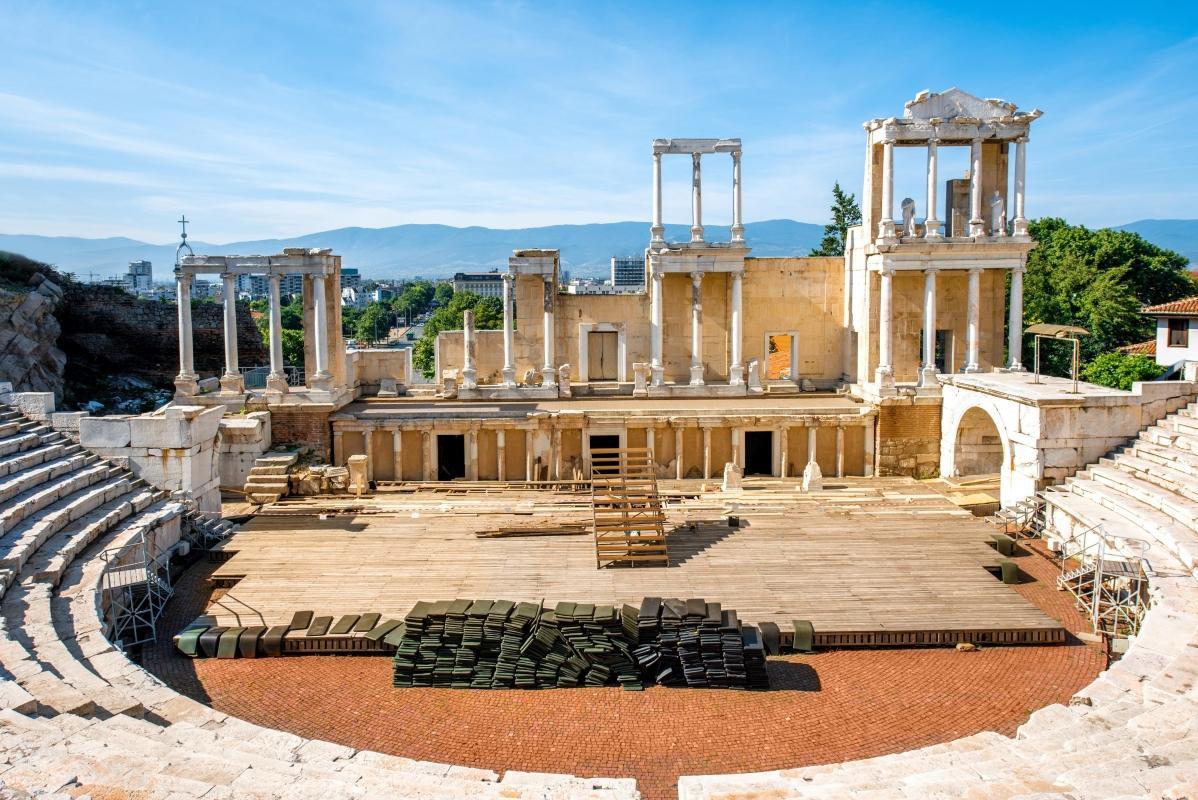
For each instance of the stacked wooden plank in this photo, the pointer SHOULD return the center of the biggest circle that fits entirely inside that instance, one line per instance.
(695, 643)
(629, 520)
(484, 644)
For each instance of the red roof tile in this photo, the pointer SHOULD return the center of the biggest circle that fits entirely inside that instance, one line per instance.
(1187, 305)
(1147, 348)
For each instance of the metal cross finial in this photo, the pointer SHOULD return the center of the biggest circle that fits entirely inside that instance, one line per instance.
(183, 221)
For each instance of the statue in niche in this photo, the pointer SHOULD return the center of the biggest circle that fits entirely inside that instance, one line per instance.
(998, 215)
(908, 216)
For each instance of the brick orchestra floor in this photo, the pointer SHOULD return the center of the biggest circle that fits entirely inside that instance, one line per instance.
(826, 707)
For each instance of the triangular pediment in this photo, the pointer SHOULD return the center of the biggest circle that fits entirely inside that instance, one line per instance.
(955, 103)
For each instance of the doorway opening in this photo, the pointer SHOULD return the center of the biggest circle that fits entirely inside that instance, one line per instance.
(603, 356)
(759, 453)
(780, 358)
(605, 441)
(451, 456)
(944, 351)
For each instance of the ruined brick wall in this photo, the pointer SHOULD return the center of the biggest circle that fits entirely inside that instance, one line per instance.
(106, 331)
(30, 358)
(909, 440)
(302, 426)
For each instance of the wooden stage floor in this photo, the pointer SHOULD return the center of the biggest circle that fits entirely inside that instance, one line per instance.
(867, 561)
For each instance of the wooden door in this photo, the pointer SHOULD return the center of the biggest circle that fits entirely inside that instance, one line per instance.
(603, 349)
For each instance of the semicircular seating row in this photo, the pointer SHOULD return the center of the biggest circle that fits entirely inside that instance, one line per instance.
(1133, 732)
(75, 712)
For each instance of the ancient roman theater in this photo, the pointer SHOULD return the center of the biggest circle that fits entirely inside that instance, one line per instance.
(771, 527)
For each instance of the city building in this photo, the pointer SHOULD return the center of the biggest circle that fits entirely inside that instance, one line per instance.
(628, 271)
(350, 278)
(485, 284)
(141, 276)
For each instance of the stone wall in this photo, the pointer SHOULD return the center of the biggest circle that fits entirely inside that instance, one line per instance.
(29, 355)
(107, 332)
(301, 426)
(908, 438)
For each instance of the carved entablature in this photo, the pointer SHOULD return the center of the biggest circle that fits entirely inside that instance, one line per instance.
(692, 146)
(310, 261)
(951, 117)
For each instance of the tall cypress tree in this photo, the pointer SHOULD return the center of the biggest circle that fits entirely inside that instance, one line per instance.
(845, 214)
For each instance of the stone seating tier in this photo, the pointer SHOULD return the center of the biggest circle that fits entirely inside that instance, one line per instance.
(75, 711)
(1133, 732)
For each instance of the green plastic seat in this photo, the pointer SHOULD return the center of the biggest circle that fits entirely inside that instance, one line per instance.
(226, 647)
(1003, 544)
(188, 641)
(366, 622)
(344, 625)
(382, 629)
(804, 636)
(1010, 570)
(248, 642)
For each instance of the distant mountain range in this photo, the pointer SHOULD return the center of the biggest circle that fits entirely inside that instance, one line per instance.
(440, 250)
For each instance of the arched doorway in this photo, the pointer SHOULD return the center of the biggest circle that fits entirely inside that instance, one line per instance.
(978, 449)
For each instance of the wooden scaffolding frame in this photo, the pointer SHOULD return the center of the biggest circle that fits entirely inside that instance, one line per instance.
(629, 520)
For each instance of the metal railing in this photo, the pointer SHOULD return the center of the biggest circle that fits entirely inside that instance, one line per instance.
(134, 592)
(1109, 581)
(255, 377)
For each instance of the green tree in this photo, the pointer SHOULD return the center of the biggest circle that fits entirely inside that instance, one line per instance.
(293, 348)
(442, 294)
(845, 214)
(1121, 370)
(488, 315)
(373, 323)
(1099, 280)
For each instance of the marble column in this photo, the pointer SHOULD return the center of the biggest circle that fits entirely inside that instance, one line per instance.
(231, 381)
(338, 449)
(696, 328)
(977, 226)
(658, 229)
(548, 371)
(783, 434)
(530, 463)
(885, 371)
(651, 446)
(706, 452)
(839, 451)
(469, 348)
(426, 453)
(973, 306)
(471, 443)
(736, 370)
(812, 432)
(813, 477)
(678, 472)
(738, 439)
(1015, 322)
(500, 454)
(186, 382)
(321, 379)
(276, 381)
(368, 446)
(868, 465)
(509, 369)
(555, 453)
(696, 199)
(738, 226)
(927, 372)
(656, 368)
(1019, 225)
(397, 454)
(931, 225)
(886, 226)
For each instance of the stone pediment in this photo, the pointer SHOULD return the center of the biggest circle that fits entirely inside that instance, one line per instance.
(955, 103)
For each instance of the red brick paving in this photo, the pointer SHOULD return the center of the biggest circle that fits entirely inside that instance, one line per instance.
(827, 707)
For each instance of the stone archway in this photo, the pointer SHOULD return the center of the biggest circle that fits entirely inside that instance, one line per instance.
(978, 447)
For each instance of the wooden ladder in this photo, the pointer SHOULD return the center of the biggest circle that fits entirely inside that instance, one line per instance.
(629, 520)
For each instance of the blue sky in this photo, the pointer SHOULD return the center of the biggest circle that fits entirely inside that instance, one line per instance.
(262, 120)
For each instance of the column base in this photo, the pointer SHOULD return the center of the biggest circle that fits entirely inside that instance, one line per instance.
(657, 235)
(509, 377)
(931, 229)
(970, 368)
(469, 378)
(276, 384)
(657, 375)
(927, 377)
(736, 375)
(1019, 226)
(738, 233)
(548, 377)
(697, 235)
(977, 227)
(186, 384)
(321, 381)
(884, 377)
(1016, 366)
(232, 384)
(697, 376)
(886, 229)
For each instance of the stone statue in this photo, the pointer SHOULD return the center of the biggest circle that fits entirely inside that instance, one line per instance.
(998, 215)
(908, 217)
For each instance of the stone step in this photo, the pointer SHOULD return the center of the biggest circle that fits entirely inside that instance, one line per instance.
(41, 497)
(1179, 508)
(1140, 520)
(1181, 424)
(269, 469)
(42, 474)
(19, 544)
(52, 693)
(30, 458)
(53, 557)
(1163, 437)
(266, 484)
(19, 442)
(1165, 476)
(14, 697)
(1166, 456)
(262, 498)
